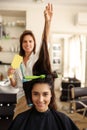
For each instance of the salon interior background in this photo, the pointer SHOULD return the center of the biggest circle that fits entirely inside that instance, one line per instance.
(68, 30)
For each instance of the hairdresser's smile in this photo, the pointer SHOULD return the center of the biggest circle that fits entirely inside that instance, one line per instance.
(28, 44)
(41, 96)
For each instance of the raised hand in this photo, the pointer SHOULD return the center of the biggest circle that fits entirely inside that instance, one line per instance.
(48, 12)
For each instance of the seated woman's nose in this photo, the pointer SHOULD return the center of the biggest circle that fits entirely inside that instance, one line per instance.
(40, 98)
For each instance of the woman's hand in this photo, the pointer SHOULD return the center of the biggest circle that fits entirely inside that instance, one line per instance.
(48, 13)
(11, 71)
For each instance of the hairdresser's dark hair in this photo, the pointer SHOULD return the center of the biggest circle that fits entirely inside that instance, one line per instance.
(26, 32)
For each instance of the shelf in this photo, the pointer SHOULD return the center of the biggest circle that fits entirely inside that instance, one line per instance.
(4, 51)
(12, 52)
(8, 38)
(5, 63)
(13, 24)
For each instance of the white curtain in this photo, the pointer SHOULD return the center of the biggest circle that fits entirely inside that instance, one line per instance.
(75, 57)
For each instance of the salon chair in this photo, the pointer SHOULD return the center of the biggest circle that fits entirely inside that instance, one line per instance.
(66, 88)
(78, 102)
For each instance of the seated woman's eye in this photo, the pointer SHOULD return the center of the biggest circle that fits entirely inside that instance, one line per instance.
(45, 94)
(30, 41)
(35, 94)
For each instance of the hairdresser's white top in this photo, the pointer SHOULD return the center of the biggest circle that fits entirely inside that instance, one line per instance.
(27, 70)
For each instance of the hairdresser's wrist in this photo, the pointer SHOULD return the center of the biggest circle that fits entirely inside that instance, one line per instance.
(12, 81)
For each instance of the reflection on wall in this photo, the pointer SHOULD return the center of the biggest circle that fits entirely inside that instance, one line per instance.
(73, 56)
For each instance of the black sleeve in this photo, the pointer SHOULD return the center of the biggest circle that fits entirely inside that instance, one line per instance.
(19, 121)
(69, 124)
(16, 123)
(65, 121)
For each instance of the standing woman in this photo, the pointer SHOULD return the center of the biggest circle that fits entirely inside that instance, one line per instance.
(27, 51)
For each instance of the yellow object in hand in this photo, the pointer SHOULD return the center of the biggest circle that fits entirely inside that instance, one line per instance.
(16, 61)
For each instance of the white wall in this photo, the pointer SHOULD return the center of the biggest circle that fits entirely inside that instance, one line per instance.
(63, 18)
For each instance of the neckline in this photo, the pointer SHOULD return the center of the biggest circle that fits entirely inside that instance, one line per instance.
(42, 113)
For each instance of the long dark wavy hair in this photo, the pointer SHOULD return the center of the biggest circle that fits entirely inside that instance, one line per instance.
(26, 32)
(43, 66)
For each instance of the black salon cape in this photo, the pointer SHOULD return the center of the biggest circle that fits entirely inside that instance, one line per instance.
(49, 120)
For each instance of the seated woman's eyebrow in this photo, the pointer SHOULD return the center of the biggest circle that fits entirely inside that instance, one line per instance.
(44, 93)
(35, 92)
(39, 92)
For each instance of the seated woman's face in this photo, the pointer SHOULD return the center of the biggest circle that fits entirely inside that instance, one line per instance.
(41, 96)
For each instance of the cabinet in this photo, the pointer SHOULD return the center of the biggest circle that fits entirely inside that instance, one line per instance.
(12, 25)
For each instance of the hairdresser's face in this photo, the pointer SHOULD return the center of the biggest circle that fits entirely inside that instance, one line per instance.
(41, 96)
(28, 44)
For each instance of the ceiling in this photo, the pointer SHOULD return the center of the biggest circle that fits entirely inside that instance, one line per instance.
(54, 2)
(63, 2)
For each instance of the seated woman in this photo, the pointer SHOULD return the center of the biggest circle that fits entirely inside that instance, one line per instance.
(43, 114)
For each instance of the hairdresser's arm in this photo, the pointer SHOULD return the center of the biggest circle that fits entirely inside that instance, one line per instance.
(48, 13)
(11, 72)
